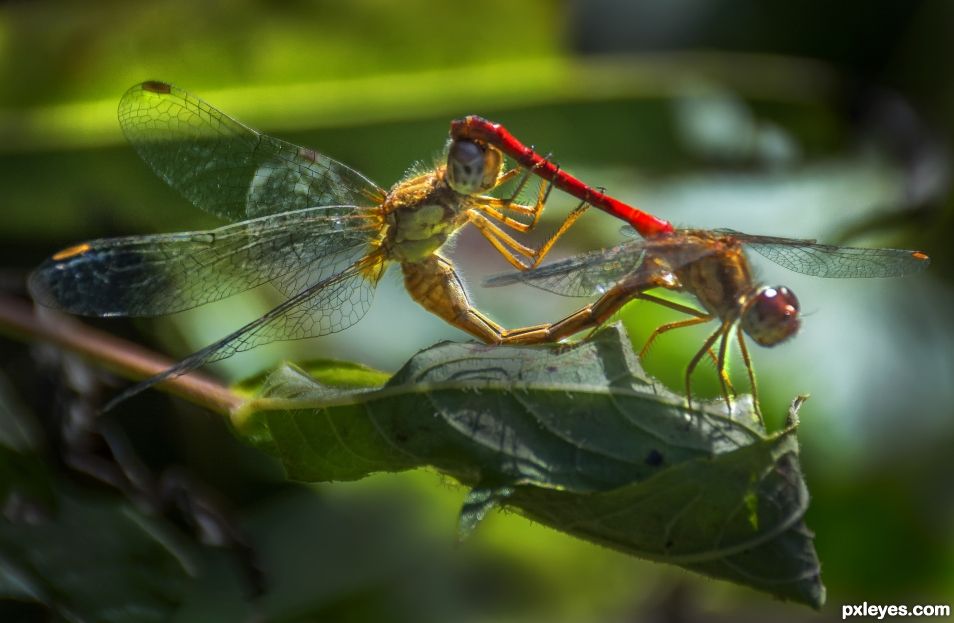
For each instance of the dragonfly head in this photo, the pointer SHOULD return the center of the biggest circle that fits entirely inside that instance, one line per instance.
(472, 167)
(771, 315)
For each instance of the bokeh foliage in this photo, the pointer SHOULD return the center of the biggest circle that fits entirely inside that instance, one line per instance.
(811, 120)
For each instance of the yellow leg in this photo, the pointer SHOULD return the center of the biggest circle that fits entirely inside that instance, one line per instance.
(493, 207)
(686, 310)
(501, 241)
(751, 372)
(491, 203)
(669, 327)
(702, 351)
(720, 367)
(590, 316)
(505, 177)
(508, 246)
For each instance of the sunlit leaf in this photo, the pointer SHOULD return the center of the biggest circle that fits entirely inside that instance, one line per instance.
(577, 438)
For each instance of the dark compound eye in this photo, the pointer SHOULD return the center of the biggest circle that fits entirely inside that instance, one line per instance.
(772, 316)
(466, 153)
(468, 167)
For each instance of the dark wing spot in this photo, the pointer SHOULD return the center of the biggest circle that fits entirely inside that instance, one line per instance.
(654, 458)
(154, 86)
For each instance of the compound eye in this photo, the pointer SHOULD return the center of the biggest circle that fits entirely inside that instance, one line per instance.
(772, 316)
(472, 168)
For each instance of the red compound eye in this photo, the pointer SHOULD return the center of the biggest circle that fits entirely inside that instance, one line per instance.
(771, 316)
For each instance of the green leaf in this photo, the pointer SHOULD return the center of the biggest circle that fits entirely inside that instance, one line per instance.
(93, 560)
(575, 437)
(84, 555)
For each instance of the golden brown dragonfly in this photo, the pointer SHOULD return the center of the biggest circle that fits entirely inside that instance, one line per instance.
(316, 230)
(710, 265)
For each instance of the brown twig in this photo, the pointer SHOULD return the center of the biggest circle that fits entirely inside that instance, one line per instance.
(21, 321)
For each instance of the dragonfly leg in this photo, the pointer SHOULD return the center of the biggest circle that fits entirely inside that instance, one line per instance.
(721, 369)
(542, 251)
(679, 307)
(751, 372)
(506, 176)
(698, 317)
(591, 316)
(520, 185)
(502, 240)
(701, 316)
(494, 208)
(669, 326)
(698, 356)
(492, 205)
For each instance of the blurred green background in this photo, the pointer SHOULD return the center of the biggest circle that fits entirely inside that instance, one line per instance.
(811, 119)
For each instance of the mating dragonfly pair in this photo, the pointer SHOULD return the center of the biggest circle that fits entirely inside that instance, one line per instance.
(322, 234)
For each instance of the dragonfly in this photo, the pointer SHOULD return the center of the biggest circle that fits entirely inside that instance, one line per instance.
(490, 133)
(712, 267)
(318, 231)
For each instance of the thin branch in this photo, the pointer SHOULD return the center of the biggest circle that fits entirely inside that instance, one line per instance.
(20, 320)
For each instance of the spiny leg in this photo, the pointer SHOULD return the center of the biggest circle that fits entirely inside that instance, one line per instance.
(721, 367)
(527, 172)
(747, 360)
(520, 185)
(669, 326)
(494, 207)
(507, 245)
(685, 309)
(678, 325)
(698, 356)
(505, 177)
(698, 317)
(571, 218)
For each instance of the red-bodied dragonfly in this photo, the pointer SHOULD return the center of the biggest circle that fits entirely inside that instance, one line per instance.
(486, 132)
(709, 265)
(316, 230)
(712, 267)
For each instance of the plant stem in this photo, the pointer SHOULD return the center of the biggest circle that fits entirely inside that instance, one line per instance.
(20, 320)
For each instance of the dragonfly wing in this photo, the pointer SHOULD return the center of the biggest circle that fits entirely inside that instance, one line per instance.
(582, 275)
(629, 231)
(825, 260)
(326, 307)
(227, 168)
(167, 273)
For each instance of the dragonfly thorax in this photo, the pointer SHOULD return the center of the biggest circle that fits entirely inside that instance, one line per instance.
(472, 168)
(770, 315)
(421, 214)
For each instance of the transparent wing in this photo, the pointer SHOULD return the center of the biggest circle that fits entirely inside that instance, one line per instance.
(326, 307)
(629, 231)
(581, 275)
(163, 274)
(227, 168)
(825, 260)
